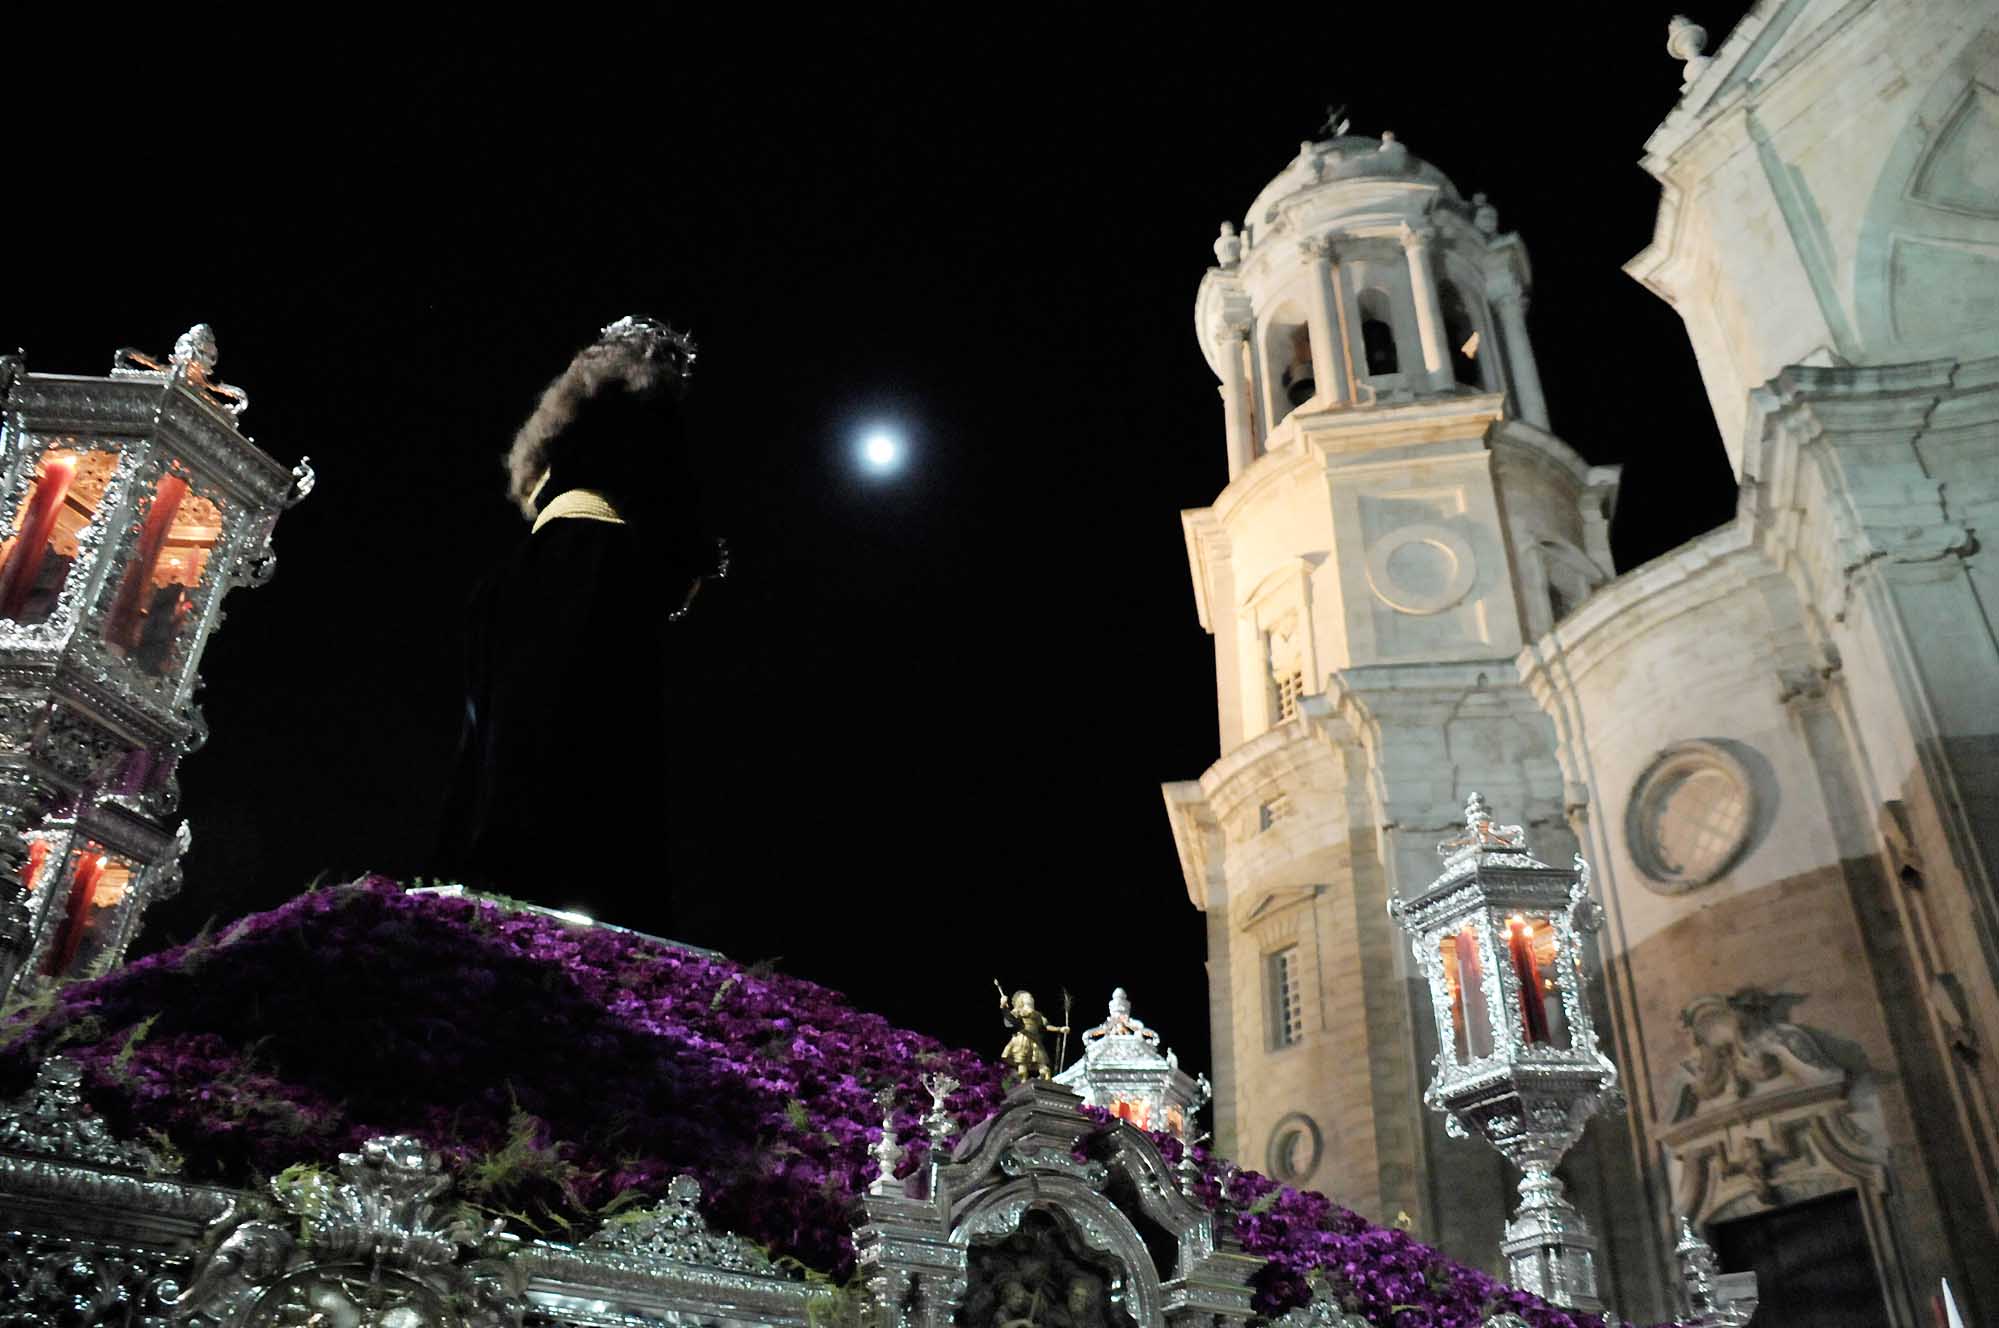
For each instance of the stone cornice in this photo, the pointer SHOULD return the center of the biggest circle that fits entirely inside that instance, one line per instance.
(1741, 72)
(1285, 749)
(1207, 543)
(1220, 301)
(1772, 535)
(1196, 809)
(1351, 437)
(1639, 602)
(1545, 448)
(1711, 122)
(1196, 838)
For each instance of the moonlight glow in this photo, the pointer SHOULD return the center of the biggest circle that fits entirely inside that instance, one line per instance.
(881, 452)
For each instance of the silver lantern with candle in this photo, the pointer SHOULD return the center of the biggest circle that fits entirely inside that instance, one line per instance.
(129, 505)
(1126, 1071)
(1498, 939)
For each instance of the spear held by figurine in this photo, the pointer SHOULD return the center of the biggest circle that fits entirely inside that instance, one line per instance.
(1062, 1049)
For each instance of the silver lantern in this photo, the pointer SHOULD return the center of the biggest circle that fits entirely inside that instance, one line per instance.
(129, 505)
(1498, 939)
(1126, 1071)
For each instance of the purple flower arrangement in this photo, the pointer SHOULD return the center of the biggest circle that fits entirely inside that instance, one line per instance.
(1385, 1275)
(566, 1073)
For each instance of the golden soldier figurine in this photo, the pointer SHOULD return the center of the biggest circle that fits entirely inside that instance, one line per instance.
(1025, 1055)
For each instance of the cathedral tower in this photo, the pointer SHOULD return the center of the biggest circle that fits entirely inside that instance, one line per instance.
(1397, 524)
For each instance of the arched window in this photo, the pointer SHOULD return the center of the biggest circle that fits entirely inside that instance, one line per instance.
(1377, 335)
(1461, 334)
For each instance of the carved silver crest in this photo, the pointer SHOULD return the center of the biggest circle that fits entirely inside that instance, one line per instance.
(52, 1121)
(674, 1230)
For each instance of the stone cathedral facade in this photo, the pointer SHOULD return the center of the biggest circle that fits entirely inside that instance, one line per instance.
(1778, 744)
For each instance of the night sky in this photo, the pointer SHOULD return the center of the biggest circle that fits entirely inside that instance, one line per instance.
(957, 691)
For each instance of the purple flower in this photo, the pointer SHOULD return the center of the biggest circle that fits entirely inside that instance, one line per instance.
(557, 1068)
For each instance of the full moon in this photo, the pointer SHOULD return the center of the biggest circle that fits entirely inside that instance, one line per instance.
(881, 452)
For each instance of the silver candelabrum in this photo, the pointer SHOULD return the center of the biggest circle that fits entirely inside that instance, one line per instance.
(1498, 939)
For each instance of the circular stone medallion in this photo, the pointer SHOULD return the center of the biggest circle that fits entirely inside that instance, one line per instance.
(1296, 1147)
(1421, 569)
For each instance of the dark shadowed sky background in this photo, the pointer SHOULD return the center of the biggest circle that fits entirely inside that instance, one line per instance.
(956, 692)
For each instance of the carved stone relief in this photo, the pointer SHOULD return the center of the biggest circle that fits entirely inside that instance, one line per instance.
(1766, 1112)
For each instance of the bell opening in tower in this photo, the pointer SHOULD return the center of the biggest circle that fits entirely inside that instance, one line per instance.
(1299, 386)
(1462, 335)
(1377, 335)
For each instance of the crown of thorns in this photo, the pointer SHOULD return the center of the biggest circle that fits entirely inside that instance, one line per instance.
(656, 341)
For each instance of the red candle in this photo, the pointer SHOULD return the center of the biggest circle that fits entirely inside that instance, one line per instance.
(17, 581)
(1477, 1025)
(81, 895)
(31, 871)
(1533, 996)
(123, 627)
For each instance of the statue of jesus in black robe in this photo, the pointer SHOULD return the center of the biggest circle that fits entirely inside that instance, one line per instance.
(578, 781)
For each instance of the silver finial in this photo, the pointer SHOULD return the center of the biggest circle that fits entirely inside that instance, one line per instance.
(193, 363)
(887, 1152)
(937, 1122)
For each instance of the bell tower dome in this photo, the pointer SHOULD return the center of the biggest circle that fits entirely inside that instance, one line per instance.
(1361, 277)
(1397, 524)
(1387, 439)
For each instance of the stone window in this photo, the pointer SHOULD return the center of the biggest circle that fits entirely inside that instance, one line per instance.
(1290, 686)
(1690, 816)
(1270, 813)
(1284, 974)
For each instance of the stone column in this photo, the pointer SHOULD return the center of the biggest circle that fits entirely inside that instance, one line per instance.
(1429, 311)
(1509, 301)
(1264, 378)
(1329, 356)
(1235, 420)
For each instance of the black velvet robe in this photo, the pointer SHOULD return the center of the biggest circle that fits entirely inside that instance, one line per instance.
(575, 785)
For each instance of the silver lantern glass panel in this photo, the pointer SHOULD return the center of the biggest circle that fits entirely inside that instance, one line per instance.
(60, 489)
(129, 506)
(1498, 938)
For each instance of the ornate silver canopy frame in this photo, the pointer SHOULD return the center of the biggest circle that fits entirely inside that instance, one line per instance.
(129, 506)
(95, 1224)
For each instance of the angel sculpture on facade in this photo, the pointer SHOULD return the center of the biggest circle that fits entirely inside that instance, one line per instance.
(1026, 1054)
